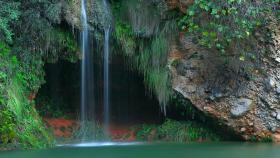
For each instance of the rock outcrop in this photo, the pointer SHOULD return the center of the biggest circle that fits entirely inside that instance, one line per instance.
(249, 105)
(98, 18)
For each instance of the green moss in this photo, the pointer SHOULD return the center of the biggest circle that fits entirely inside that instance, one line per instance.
(227, 25)
(30, 131)
(175, 131)
(20, 123)
(8, 14)
(49, 107)
(61, 44)
(123, 33)
(146, 49)
(265, 139)
(30, 71)
(6, 126)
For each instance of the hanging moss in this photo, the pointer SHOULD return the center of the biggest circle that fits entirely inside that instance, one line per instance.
(151, 61)
(145, 37)
(61, 44)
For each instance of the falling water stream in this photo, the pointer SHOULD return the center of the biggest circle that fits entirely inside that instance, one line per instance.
(106, 79)
(106, 71)
(87, 88)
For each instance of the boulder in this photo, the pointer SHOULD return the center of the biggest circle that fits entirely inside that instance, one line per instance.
(241, 107)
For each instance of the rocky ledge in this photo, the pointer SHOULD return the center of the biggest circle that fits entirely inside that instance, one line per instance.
(247, 103)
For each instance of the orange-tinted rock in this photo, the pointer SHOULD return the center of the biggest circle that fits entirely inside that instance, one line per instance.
(61, 127)
(180, 4)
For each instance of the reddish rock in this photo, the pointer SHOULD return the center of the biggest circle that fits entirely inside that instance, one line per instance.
(121, 133)
(61, 127)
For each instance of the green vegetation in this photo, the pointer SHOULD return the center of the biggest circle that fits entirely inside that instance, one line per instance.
(145, 40)
(175, 131)
(7, 123)
(30, 131)
(31, 72)
(32, 34)
(152, 62)
(19, 121)
(49, 107)
(8, 13)
(266, 139)
(6, 126)
(34, 37)
(61, 45)
(227, 26)
(144, 30)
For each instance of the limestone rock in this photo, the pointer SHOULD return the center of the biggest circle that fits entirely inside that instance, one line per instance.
(278, 89)
(239, 103)
(273, 114)
(278, 115)
(241, 107)
(242, 129)
(270, 83)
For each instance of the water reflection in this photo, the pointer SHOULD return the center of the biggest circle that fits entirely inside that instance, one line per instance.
(196, 150)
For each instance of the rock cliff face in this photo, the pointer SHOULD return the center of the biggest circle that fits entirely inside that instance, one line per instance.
(250, 106)
(98, 18)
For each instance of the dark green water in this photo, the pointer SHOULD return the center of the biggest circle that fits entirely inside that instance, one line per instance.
(197, 150)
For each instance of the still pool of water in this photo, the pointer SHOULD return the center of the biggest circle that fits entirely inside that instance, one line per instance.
(138, 150)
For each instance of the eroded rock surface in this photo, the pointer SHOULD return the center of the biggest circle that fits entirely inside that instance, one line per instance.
(240, 107)
(249, 105)
(98, 18)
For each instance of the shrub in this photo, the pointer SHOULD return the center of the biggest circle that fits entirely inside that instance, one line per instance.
(223, 24)
(7, 125)
(175, 131)
(8, 13)
(19, 120)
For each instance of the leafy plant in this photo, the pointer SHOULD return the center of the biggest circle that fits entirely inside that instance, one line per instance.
(224, 24)
(50, 108)
(30, 71)
(19, 121)
(143, 132)
(175, 131)
(30, 130)
(8, 13)
(7, 126)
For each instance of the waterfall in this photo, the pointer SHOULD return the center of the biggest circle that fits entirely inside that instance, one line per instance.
(106, 79)
(106, 89)
(87, 127)
(87, 88)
